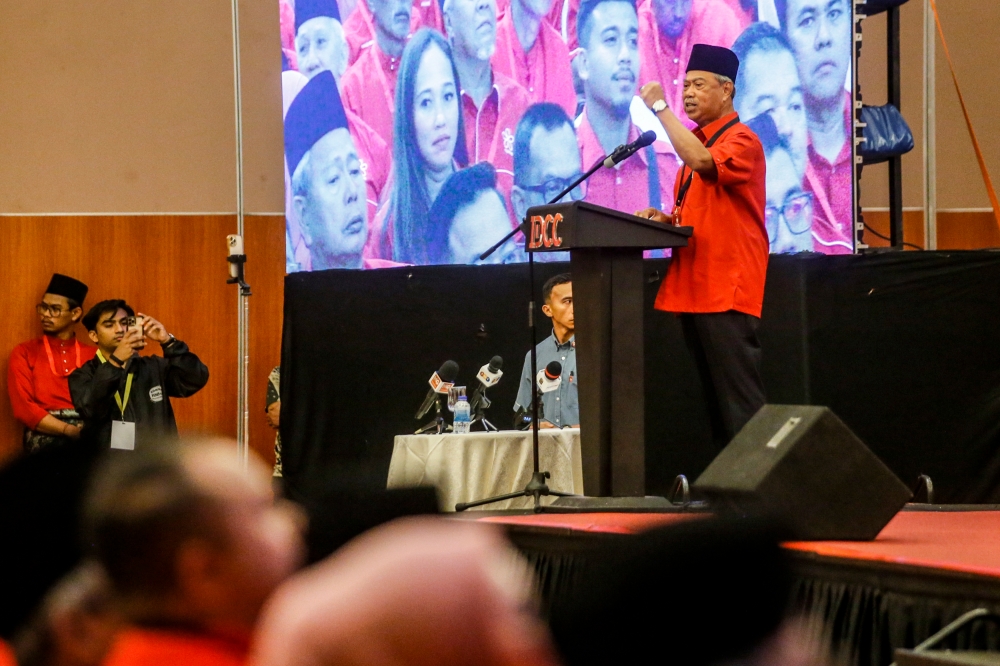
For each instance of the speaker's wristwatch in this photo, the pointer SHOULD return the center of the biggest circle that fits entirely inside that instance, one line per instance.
(659, 105)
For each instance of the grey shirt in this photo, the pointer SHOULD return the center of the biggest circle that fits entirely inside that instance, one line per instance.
(561, 407)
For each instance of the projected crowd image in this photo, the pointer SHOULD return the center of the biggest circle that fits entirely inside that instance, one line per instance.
(420, 131)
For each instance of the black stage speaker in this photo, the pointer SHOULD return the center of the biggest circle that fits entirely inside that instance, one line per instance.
(804, 465)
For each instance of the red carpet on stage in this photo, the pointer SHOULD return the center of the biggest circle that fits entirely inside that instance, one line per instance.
(959, 541)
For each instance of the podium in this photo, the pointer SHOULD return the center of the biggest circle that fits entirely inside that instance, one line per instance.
(606, 249)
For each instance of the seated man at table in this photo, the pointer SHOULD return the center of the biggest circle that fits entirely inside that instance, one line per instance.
(559, 408)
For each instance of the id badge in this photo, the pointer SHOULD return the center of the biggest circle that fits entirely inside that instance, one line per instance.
(123, 435)
(676, 217)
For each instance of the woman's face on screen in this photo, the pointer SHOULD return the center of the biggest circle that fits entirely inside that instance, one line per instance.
(435, 109)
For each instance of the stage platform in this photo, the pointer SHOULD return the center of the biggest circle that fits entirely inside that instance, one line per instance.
(864, 599)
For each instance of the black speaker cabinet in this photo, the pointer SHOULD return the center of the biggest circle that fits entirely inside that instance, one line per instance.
(804, 465)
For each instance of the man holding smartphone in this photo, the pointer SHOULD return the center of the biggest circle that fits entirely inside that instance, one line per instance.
(124, 398)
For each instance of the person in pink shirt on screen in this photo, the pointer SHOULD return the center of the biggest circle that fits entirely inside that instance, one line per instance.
(609, 66)
(546, 161)
(533, 53)
(491, 102)
(320, 43)
(321, 46)
(667, 31)
(360, 25)
(820, 33)
(375, 161)
(328, 187)
(369, 85)
(429, 147)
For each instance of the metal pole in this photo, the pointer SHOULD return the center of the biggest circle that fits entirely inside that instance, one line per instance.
(243, 293)
(896, 163)
(930, 130)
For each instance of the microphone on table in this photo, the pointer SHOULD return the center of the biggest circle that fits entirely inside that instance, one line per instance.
(627, 150)
(550, 377)
(488, 376)
(440, 382)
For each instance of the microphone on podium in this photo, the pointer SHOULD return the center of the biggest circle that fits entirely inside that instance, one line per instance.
(627, 150)
(440, 382)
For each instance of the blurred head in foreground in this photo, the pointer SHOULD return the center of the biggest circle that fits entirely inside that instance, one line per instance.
(189, 538)
(74, 625)
(415, 591)
(707, 591)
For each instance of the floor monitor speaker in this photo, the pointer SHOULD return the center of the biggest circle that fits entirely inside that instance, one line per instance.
(803, 465)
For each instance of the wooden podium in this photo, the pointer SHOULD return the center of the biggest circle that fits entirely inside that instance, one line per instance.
(605, 249)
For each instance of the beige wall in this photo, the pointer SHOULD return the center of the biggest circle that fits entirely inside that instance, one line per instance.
(124, 106)
(970, 28)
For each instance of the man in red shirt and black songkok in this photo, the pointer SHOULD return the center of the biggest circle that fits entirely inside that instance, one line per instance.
(193, 544)
(38, 369)
(716, 283)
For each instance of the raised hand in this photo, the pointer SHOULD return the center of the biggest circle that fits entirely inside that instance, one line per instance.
(154, 329)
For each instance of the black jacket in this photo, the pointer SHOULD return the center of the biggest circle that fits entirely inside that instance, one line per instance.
(178, 374)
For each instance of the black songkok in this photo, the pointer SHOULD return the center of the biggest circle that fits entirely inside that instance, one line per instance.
(63, 285)
(714, 59)
(315, 112)
(310, 9)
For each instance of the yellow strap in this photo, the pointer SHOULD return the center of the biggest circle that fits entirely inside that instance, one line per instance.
(968, 121)
(122, 403)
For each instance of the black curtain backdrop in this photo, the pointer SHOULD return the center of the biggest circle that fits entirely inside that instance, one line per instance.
(905, 348)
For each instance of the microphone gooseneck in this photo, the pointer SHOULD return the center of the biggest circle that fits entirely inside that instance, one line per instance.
(625, 151)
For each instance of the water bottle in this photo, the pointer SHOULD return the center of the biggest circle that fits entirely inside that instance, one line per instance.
(463, 414)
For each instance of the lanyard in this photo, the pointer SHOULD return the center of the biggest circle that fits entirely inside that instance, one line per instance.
(687, 183)
(52, 360)
(128, 388)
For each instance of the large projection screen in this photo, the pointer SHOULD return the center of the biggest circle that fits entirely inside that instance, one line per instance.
(418, 133)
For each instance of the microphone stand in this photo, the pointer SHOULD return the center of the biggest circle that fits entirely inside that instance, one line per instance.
(438, 424)
(537, 486)
(479, 415)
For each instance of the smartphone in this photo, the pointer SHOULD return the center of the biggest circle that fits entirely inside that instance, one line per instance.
(135, 323)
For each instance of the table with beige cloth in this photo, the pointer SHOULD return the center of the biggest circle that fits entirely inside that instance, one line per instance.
(478, 465)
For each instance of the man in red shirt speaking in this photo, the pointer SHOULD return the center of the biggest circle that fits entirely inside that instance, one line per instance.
(716, 283)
